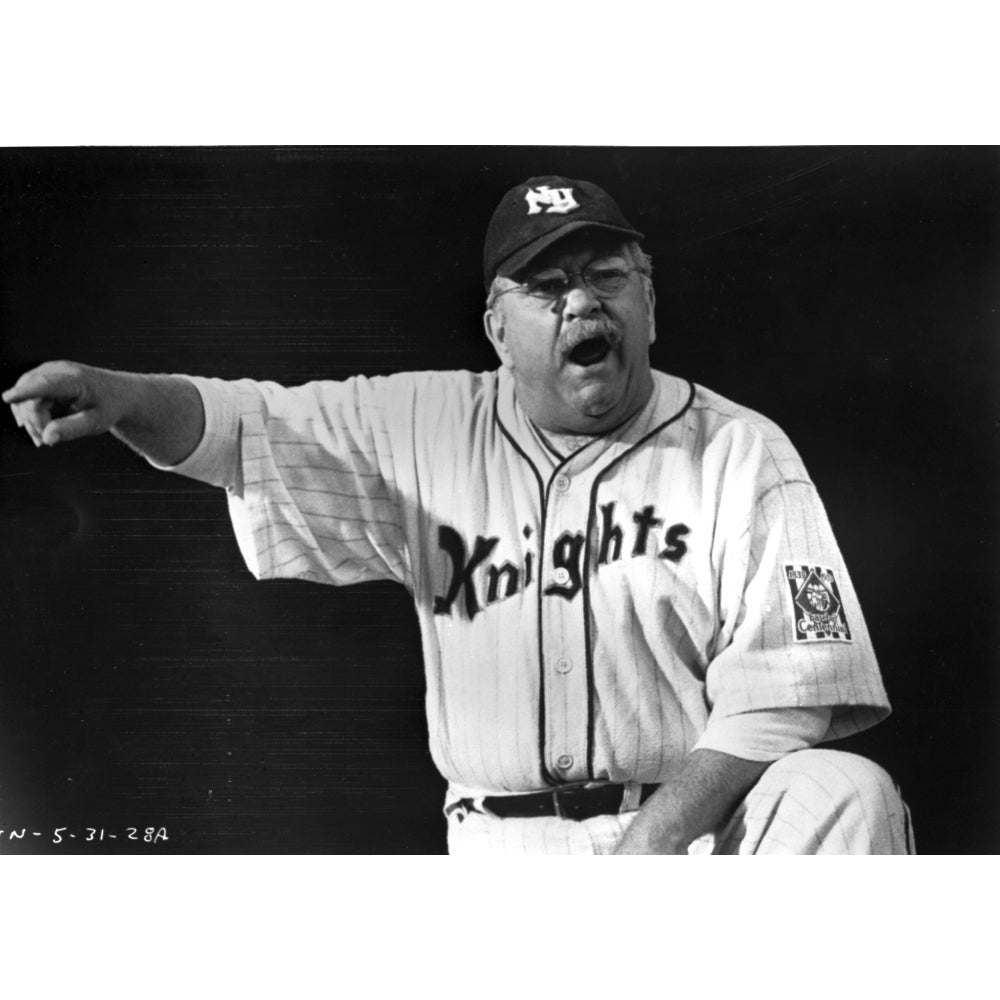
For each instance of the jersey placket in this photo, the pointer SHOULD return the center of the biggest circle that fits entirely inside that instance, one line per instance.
(563, 625)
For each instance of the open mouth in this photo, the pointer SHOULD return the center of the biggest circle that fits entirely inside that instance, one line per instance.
(590, 352)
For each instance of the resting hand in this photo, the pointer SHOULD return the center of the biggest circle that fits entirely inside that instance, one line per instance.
(700, 796)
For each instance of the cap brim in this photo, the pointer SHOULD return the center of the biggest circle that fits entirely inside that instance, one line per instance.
(519, 261)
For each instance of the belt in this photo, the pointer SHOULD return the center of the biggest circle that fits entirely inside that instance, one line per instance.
(569, 803)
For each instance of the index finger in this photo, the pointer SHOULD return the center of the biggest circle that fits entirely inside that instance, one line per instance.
(22, 390)
(33, 384)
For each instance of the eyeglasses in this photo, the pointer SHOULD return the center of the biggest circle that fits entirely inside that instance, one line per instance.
(604, 280)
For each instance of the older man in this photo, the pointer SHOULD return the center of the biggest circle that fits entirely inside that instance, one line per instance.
(636, 622)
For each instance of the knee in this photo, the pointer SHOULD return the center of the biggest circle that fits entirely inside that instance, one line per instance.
(840, 775)
(845, 792)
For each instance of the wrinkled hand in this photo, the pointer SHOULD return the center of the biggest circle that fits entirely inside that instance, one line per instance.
(694, 801)
(63, 400)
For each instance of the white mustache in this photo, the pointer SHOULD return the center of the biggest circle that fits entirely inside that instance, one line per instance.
(579, 330)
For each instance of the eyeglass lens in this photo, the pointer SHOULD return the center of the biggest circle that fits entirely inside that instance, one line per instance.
(603, 279)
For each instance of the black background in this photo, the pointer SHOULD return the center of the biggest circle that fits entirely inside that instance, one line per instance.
(850, 294)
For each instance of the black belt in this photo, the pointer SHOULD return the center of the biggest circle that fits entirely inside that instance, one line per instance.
(569, 803)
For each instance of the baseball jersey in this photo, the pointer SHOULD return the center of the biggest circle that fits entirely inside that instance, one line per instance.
(583, 616)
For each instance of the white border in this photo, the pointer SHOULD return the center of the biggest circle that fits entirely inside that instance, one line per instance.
(213, 73)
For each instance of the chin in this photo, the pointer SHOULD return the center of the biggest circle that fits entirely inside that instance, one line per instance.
(599, 404)
(595, 420)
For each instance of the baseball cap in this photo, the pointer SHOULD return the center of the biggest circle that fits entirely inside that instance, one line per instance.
(533, 215)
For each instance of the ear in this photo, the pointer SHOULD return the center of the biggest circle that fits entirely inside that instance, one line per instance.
(650, 307)
(493, 324)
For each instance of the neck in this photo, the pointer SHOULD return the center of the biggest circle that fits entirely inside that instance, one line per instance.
(606, 424)
(563, 444)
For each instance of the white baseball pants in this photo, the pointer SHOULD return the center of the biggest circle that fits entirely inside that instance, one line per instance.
(810, 802)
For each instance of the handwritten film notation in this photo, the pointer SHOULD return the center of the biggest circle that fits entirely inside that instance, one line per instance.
(89, 834)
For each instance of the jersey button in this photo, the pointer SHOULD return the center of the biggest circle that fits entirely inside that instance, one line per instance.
(561, 576)
(564, 664)
(564, 762)
(561, 483)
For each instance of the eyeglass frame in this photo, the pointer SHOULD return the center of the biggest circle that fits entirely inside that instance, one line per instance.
(628, 269)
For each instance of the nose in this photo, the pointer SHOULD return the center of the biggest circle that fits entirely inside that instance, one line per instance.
(579, 302)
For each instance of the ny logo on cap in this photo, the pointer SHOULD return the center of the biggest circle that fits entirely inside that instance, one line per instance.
(559, 200)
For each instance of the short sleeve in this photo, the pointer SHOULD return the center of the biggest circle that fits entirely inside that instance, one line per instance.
(768, 734)
(315, 496)
(793, 632)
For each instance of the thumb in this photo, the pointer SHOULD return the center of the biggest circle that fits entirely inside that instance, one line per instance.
(76, 425)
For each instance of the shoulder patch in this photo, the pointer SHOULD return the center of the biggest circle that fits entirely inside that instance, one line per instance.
(817, 610)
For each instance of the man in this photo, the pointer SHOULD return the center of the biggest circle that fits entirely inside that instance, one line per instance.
(635, 620)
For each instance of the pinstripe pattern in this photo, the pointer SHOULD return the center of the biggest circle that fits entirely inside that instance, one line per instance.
(616, 679)
(820, 802)
(810, 802)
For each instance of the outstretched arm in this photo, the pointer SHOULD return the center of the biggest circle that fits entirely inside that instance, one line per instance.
(692, 803)
(159, 416)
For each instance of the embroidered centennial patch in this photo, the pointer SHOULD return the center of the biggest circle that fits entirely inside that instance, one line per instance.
(817, 609)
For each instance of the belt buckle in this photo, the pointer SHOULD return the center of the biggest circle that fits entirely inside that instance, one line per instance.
(556, 804)
(563, 797)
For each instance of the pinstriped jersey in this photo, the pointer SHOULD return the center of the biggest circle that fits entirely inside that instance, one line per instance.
(581, 616)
